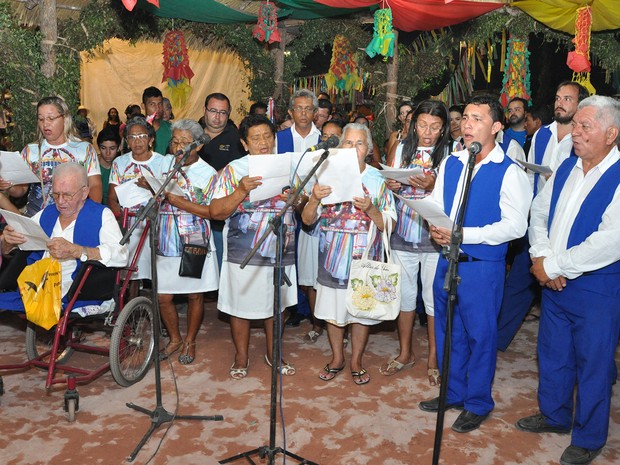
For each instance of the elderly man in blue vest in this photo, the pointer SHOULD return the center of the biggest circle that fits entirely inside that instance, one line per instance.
(575, 248)
(79, 228)
(551, 145)
(497, 212)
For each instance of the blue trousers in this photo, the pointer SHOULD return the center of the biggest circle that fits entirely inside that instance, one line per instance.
(577, 341)
(474, 331)
(519, 293)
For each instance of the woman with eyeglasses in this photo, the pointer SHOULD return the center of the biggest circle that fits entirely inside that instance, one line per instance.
(426, 144)
(185, 220)
(343, 236)
(57, 143)
(130, 168)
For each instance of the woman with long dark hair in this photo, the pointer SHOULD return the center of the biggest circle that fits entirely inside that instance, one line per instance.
(423, 149)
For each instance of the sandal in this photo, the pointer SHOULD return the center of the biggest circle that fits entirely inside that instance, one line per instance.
(312, 336)
(239, 373)
(328, 373)
(433, 376)
(394, 366)
(170, 349)
(185, 358)
(287, 369)
(360, 377)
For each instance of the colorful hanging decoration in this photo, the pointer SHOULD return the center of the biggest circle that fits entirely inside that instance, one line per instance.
(516, 71)
(130, 4)
(383, 39)
(176, 68)
(343, 72)
(579, 59)
(266, 29)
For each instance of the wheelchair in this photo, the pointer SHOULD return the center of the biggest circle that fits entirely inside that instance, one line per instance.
(128, 326)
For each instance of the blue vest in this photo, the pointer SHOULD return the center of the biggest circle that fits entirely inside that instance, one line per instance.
(543, 136)
(483, 205)
(86, 231)
(591, 212)
(285, 140)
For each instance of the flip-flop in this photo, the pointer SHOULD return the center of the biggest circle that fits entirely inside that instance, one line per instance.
(170, 349)
(358, 377)
(312, 336)
(393, 366)
(433, 376)
(328, 373)
(239, 373)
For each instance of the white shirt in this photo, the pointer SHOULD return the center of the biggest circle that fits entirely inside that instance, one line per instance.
(301, 144)
(112, 253)
(514, 151)
(600, 249)
(555, 153)
(514, 202)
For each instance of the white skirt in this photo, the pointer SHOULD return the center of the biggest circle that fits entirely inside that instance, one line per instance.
(169, 281)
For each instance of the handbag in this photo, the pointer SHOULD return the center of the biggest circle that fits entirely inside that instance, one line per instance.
(40, 286)
(193, 258)
(373, 291)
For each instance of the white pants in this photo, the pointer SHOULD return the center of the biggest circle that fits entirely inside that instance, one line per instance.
(411, 263)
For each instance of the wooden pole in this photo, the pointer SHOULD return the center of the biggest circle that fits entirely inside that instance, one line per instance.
(278, 73)
(391, 88)
(48, 25)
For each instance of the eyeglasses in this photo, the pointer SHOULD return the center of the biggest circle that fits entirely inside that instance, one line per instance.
(134, 137)
(222, 113)
(64, 195)
(298, 109)
(49, 119)
(351, 143)
(424, 128)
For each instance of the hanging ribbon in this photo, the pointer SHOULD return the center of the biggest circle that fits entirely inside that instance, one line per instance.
(579, 59)
(176, 68)
(516, 81)
(382, 42)
(266, 29)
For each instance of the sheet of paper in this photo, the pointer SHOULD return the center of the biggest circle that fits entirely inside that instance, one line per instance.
(156, 183)
(341, 172)
(430, 211)
(13, 168)
(540, 169)
(275, 171)
(400, 174)
(130, 194)
(36, 239)
(307, 162)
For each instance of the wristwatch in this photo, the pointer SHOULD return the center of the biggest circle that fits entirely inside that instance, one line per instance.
(84, 256)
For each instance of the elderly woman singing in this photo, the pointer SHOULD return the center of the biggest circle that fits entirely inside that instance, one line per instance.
(344, 235)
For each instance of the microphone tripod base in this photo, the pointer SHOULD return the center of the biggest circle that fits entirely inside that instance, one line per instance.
(270, 454)
(159, 416)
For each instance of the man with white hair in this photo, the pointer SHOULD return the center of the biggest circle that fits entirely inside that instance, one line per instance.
(79, 228)
(575, 247)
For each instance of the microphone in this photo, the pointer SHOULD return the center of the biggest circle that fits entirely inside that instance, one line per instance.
(204, 139)
(330, 143)
(474, 148)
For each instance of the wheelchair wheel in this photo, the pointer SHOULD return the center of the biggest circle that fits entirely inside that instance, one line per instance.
(132, 344)
(39, 341)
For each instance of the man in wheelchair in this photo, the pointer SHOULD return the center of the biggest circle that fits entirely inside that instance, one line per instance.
(80, 229)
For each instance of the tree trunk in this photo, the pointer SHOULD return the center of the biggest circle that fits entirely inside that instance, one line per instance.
(391, 89)
(49, 30)
(278, 73)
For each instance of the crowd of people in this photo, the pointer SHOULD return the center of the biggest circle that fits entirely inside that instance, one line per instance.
(554, 227)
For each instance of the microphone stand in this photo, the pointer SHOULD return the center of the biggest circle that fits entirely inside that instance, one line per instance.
(279, 279)
(150, 212)
(452, 280)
